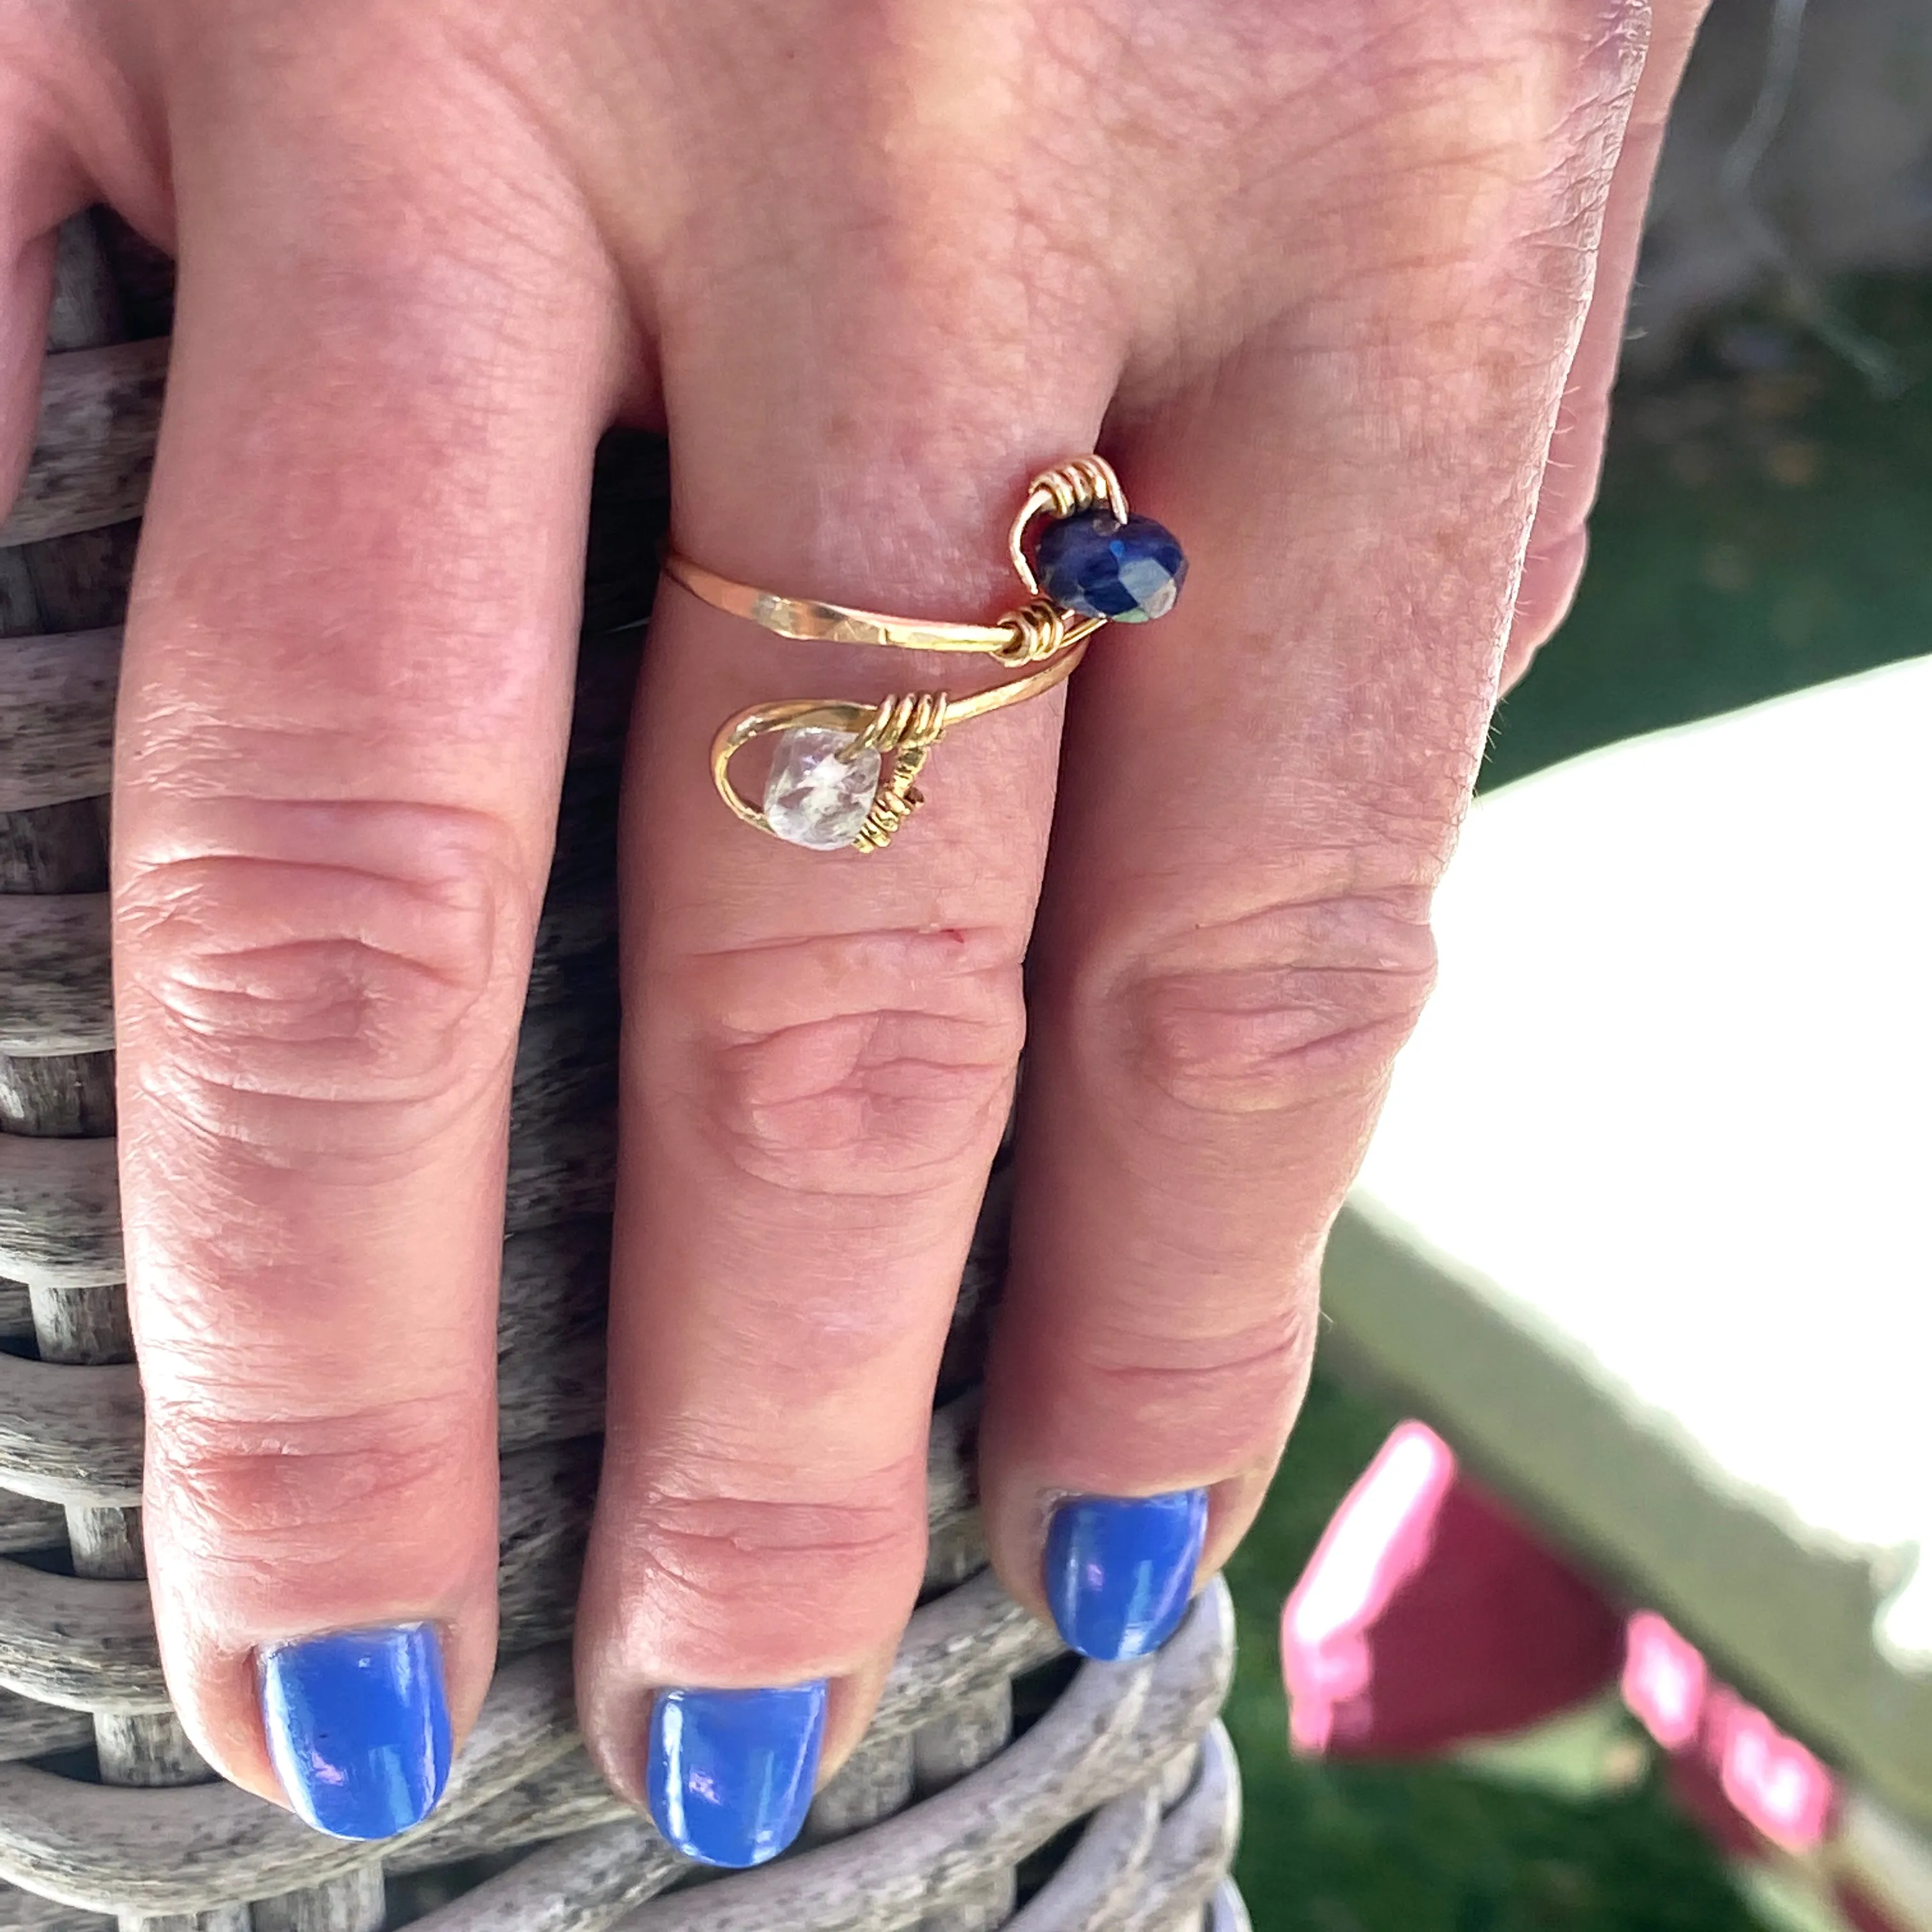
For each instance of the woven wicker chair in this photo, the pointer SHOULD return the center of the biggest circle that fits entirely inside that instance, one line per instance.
(963, 1808)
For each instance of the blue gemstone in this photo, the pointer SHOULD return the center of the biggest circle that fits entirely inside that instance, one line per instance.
(1092, 563)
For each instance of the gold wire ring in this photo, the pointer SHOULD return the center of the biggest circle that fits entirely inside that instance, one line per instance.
(810, 622)
(891, 740)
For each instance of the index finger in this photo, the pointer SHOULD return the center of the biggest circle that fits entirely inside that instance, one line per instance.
(342, 720)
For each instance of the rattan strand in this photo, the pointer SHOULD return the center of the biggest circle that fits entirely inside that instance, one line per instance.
(94, 444)
(77, 1653)
(56, 717)
(1101, 1737)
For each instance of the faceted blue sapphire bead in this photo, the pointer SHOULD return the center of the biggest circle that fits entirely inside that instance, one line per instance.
(1093, 564)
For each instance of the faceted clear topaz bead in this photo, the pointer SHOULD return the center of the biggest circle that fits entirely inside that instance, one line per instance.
(1091, 563)
(813, 796)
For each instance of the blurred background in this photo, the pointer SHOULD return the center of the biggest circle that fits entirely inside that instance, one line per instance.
(1765, 525)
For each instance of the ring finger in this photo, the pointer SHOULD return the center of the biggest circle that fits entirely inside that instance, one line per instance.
(1234, 939)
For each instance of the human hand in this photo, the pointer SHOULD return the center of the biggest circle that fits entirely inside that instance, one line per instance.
(1323, 281)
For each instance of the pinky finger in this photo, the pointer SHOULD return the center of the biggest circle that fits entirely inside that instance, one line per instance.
(1553, 569)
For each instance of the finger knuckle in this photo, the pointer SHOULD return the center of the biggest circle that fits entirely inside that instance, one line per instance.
(876, 1065)
(790, 1577)
(1273, 1011)
(1222, 1397)
(260, 990)
(253, 1500)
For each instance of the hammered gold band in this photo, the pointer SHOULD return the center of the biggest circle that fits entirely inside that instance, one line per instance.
(856, 761)
(809, 622)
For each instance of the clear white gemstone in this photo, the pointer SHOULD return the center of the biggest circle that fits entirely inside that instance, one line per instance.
(815, 797)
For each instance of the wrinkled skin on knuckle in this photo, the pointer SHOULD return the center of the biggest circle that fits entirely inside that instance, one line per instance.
(736, 1585)
(1220, 1401)
(878, 1065)
(263, 1518)
(302, 1004)
(884, 1101)
(1275, 1011)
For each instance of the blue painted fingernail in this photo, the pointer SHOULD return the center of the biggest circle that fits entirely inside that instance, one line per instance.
(359, 1728)
(1119, 1570)
(731, 1772)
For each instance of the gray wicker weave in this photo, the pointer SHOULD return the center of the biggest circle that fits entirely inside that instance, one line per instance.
(106, 1813)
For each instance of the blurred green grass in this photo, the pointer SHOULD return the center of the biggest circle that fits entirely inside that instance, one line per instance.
(1759, 529)
(1765, 524)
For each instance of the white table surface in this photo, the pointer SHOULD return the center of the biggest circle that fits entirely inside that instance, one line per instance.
(1669, 1116)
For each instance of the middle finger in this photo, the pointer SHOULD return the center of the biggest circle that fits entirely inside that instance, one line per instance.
(818, 1060)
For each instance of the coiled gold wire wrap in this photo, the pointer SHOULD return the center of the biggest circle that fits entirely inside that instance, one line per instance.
(1039, 630)
(1062, 491)
(899, 798)
(914, 722)
(908, 727)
